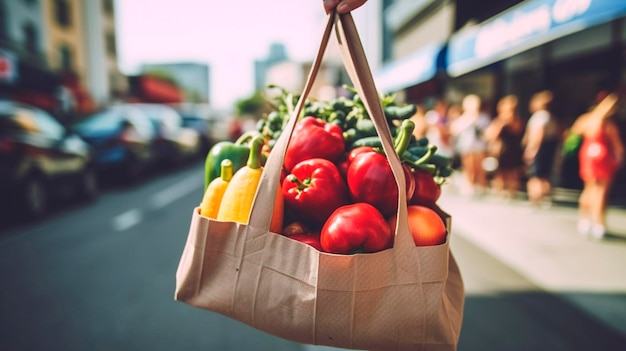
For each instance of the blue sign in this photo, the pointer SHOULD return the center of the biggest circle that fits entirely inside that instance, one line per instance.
(529, 24)
(418, 67)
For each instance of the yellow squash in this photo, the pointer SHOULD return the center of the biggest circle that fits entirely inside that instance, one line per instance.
(237, 200)
(215, 191)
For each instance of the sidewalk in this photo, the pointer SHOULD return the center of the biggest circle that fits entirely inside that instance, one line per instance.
(544, 246)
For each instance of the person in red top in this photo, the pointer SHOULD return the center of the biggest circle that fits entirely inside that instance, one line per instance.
(601, 154)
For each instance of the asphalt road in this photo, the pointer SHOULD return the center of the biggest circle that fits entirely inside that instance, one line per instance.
(101, 277)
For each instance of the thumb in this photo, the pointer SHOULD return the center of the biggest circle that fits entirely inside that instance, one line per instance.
(329, 5)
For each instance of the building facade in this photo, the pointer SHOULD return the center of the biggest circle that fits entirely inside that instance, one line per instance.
(277, 54)
(102, 76)
(25, 72)
(63, 53)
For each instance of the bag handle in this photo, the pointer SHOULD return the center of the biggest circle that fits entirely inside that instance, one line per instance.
(359, 71)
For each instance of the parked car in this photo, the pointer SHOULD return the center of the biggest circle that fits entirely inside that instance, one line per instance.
(203, 126)
(214, 124)
(123, 138)
(175, 143)
(41, 161)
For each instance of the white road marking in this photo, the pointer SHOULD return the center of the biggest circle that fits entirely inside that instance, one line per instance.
(159, 200)
(176, 191)
(127, 219)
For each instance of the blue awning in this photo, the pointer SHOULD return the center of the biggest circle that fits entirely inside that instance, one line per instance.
(529, 24)
(420, 66)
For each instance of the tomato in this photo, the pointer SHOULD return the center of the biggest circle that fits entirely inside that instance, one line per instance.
(312, 239)
(427, 191)
(427, 228)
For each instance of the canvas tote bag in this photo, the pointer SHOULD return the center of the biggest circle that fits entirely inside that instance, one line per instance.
(402, 298)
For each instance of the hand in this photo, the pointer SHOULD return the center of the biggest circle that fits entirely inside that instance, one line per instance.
(343, 6)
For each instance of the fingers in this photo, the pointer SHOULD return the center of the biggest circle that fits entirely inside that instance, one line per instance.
(343, 6)
(330, 4)
(346, 6)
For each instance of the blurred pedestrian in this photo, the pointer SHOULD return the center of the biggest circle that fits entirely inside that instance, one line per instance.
(343, 6)
(504, 138)
(454, 111)
(419, 118)
(470, 144)
(540, 143)
(438, 132)
(600, 156)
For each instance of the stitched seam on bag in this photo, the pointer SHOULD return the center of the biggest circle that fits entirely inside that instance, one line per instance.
(240, 236)
(205, 233)
(447, 303)
(424, 321)
(458, 311)
(317, 278)
(258, 282)
(352, 308)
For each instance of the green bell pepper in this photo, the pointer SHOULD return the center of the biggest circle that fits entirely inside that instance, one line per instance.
(237, 152)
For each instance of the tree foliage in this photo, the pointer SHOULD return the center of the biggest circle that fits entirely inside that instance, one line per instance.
(254, 105)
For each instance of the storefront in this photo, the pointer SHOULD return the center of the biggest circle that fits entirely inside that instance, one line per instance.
(541, 44)
(573, 47)
(417, 76)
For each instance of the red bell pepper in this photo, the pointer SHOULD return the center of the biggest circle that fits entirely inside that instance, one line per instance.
(313, 190)
(357, 227)
(314, 138)
(427, 190)
(370, 178)
(312, 239)
(350, 156)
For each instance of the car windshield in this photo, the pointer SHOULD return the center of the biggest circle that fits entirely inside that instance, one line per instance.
(16, 119)
(105, 121)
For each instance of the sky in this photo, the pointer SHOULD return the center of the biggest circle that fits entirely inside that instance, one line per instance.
(227, 35)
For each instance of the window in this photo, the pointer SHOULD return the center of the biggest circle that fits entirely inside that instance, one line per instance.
(30, 38)
(110, 43)
(107, 6)
(62, 12)
(65, 58)
(46, 124)
(3, 23)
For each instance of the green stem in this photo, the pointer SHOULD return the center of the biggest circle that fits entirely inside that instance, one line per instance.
(428, 167)
(421, 162)
(226, 170)
(256, 146)
(245, 137)
(404, 136)
(300, 185)
(350, 89)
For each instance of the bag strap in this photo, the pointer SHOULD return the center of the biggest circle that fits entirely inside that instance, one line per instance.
(360, 74)
(262, 206)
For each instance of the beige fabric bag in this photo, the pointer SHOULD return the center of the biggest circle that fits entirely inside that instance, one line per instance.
(403, 298)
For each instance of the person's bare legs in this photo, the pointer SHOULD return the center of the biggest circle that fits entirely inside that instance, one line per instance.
(597, 207)
(534, 190)
(583, 201)
(511, 183)
(538, 189)
(584, 208)
(480, 175)
(499, 183)
(546, 189)
(467, 164)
